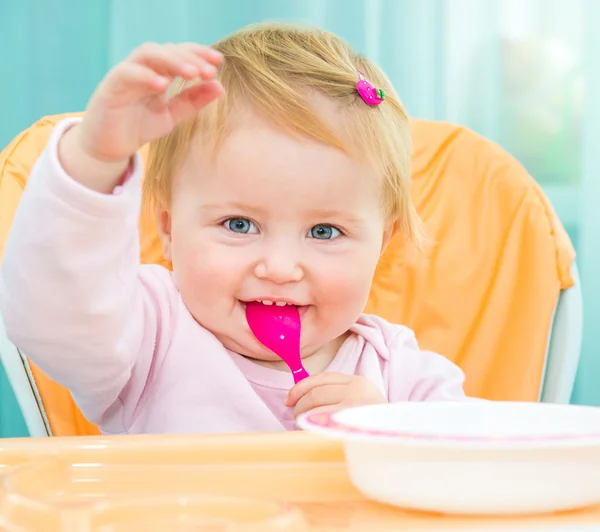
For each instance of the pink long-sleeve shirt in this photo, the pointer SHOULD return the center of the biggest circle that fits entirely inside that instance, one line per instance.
(77, 302)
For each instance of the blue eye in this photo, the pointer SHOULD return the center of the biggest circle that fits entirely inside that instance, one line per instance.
(324, 232)
(240, 225)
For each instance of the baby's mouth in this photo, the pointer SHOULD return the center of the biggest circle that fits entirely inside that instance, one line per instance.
(276, 303)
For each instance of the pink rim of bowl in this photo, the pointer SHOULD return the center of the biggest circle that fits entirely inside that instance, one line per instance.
(327, 421)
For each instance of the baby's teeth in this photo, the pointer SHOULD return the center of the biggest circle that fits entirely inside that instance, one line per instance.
(281, 303)
(267, 302)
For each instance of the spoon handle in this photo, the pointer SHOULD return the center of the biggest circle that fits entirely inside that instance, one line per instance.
(299, 374)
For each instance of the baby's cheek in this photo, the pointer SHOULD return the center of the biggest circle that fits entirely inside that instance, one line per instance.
(347, 286)
(342, 299)
(198, 271)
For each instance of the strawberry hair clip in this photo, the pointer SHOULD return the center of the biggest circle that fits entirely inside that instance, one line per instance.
(370, 94)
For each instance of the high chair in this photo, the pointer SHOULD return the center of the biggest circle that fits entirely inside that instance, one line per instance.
(496, 290)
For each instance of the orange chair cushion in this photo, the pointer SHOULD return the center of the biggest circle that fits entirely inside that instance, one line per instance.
(483, 296)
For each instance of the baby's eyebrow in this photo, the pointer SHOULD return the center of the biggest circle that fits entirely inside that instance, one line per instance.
(231, 206)
(328, 214)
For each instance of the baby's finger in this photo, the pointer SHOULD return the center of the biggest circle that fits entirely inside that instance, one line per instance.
(128, 77)
(320, 397)
(327, 408)
(212, 56)
(193, 99)
(320, 379)
(205, 69)
(164, 60)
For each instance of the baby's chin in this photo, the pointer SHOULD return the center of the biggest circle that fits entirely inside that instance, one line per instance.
(263, 356)
(258, 353)
(319, 353)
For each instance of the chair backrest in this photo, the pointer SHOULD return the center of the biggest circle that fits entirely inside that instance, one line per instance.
(484, 296)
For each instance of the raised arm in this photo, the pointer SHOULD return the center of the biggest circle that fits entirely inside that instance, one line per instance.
(73, 295)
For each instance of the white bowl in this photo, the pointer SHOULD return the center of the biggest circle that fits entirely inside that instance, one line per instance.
(470, 457)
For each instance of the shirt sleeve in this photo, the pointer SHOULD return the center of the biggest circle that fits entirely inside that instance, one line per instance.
(418, 375)
(73, 296)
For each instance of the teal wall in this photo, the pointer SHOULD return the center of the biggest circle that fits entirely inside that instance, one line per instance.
(467, 61)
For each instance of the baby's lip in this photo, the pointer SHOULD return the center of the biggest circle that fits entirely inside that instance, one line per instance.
(279, 301)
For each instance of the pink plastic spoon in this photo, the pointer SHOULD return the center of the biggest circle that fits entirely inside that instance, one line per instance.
(278, 329)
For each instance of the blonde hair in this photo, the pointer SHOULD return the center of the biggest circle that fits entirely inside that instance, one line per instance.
(273, 68)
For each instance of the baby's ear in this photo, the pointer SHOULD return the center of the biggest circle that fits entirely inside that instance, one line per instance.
(163, 224)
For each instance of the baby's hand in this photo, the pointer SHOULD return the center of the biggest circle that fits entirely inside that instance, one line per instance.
(332, 390)
(129, 109)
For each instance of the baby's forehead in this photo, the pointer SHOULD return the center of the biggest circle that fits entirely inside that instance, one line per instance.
(260, 163)
(247, 126)
(253, 148)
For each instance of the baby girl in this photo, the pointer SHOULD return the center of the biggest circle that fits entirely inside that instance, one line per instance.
(278, 172)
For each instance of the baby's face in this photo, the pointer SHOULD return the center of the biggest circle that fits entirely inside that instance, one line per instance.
(274, 218)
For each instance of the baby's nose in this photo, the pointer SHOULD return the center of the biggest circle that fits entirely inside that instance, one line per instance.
(279, 266)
